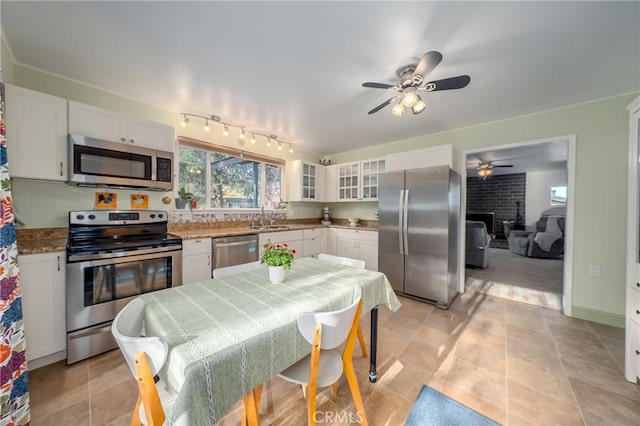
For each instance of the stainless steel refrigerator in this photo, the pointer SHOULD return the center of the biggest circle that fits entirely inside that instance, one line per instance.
(419, 214)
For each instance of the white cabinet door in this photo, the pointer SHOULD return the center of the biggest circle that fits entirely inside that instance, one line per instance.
(88, 120)
(43, 303)
(371, 170)
(346, 247)
(312, 246)
(440, 155)
(150, 134)
(401, 161)
(369, 253)
(294, 240)
(331, 184)
(306, 181)
(349, 181)
(37, 134)
(196, 267)
(332, 241)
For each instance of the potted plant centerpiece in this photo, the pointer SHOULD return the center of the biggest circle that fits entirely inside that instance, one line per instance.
(279, 258)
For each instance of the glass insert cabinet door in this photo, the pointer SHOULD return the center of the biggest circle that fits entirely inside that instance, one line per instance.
(348, 181)
(309, 176)
(371, 170)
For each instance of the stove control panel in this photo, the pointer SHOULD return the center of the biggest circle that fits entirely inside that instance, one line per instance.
(116, 217)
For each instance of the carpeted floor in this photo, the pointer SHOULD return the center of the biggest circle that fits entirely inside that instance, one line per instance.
(519, 278)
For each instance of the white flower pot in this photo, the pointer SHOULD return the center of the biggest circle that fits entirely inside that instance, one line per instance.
(276, 274)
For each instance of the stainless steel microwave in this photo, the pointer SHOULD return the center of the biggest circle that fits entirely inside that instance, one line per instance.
(94, 162)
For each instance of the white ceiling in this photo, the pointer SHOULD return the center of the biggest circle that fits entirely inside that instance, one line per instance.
(529, 158)
(295, 69)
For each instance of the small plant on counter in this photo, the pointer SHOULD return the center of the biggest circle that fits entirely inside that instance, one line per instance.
(277, 255)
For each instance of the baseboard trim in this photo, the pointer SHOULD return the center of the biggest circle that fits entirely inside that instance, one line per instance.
(46, 360)
(614, 320)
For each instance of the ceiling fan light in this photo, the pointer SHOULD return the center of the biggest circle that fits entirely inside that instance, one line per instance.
(419, 106)
(409, 97)
(398, 109)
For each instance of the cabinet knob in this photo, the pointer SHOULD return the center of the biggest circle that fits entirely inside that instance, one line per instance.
(132, 140)
(638, 285)
(61, 167)
(637, 352)
(637, 311)
(123, 139)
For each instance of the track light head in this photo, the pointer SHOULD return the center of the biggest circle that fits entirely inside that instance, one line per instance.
(226, 130)
(290, 149)
(184, 121)
(206, 125)
(242, 134)
(253, 139)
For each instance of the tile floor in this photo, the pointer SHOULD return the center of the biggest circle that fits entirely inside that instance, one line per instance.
(516, 363)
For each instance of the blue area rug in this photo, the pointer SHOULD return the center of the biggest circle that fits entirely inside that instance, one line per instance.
(435, 409)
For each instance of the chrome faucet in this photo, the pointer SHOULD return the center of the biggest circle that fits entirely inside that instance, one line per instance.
(261, 217)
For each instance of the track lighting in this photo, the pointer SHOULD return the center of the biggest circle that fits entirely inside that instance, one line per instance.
(184, 121)
(419, 106)
(242, 138)
(398, 109)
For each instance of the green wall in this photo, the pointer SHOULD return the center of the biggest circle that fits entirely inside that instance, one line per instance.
(601, 130)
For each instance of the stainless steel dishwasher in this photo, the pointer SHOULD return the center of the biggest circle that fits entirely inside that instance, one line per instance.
(229, 251)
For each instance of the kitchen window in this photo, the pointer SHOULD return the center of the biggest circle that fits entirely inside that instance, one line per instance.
(222, 177)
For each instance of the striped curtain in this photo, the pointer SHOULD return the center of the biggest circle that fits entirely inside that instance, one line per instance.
(14, 393)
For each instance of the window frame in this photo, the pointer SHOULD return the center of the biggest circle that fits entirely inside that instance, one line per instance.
(210, 149)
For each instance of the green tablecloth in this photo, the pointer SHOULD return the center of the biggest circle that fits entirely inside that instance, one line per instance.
(228, 335)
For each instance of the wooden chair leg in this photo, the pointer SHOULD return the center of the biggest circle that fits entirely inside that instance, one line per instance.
(313, 376)
(135, 419)
(355, 391)
(250, 403)
(334, 389)
(304, 391)
(363, 345)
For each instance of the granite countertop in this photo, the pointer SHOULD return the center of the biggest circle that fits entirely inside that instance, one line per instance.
(49, 240)
(231, 232)
(42, 246)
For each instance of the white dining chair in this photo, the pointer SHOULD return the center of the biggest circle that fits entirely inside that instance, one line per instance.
(235, 269)
(327, 332)
(145, 356)
(338, 260)
(354, 263)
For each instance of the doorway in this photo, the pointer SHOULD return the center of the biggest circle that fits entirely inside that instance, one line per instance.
(513, 227)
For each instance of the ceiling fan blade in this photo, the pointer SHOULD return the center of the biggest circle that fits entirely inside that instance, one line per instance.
(382, 105)
(506, 165)
(378, 85)
(429, 61)
(447, 83)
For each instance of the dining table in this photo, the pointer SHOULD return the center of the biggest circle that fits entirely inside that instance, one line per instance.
(226, 336)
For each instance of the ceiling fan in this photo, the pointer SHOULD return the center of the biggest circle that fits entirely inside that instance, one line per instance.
(412, 79)
(485, 168)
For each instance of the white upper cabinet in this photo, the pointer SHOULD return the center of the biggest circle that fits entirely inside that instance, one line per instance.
(306, 181)
(88, 120)
(435, 156)
(36, 134)
(425, 157)
(371, 170)
(402, 161)
(357, 181)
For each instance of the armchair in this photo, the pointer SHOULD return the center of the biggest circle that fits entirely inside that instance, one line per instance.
(547, 241)
(477, 244)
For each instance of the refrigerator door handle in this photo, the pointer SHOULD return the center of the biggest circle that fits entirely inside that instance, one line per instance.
(405, 226)
(400, 216)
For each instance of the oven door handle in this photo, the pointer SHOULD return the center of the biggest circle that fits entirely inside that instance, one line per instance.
(91, 261)
(122, 254)
(90, 332)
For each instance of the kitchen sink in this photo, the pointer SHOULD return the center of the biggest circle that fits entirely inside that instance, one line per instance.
(272, 227)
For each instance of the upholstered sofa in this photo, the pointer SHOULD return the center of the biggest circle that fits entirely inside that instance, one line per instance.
(547, 241)
(477, 244)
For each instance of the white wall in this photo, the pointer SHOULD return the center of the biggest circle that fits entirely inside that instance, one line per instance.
(538, 195)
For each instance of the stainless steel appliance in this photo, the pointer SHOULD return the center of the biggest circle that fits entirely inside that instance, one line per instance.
(418, 232)
(229, 251)
(98, 162)
(112, 257)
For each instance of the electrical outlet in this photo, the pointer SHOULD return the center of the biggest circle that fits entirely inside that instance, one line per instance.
(594, 270)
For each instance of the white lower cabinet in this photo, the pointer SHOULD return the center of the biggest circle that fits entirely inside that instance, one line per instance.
(314, 241)
(294, 240)
(42, 277)
(196, 260)
(358, 244)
